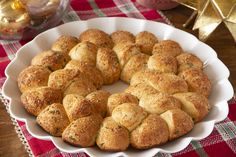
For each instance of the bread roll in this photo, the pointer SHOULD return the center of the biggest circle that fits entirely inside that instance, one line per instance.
(53, 119)
(146, 40)
(90, 72)
(32, 77)
(134, 64)
(163, 63)
(197, 81)
(84, 52)
(168, 83)
(76, 106)
(51, 60)
(194, 104)
(165, 82)
(81, 86)
(159, 103)
(108, 64)
(141, 90)
(99, 101)
(129, 115)
(83, 131)
(187, 60)
(62, 78)
(152, 132)
(143, 76)
(36, 99)
(64, 44)
(179, 123)
(97, 37)
(112, 137)
(119, 98)
(125, 51)
(167, 47)
(122, 36)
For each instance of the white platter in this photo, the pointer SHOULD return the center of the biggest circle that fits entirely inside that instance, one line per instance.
(213, 67)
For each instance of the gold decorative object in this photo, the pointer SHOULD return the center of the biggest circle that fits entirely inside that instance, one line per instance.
(19, 16)
(13, 17)
(40, 8)
(210, 14)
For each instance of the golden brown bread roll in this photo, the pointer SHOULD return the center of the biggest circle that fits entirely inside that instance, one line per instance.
(197, 81)
(64, 44)
(152, 132)
(129, 115)
(98, 37)
(53, 119)
(32, 77)
(179, 122)
(36, 99)
(168, 83)
(112, 137)
(146, 40)
(162, 82)
(91, 72)
(122, 36)
(187, 60)
(168, 47)
(108, 64)
(159, 103)
(51, 60)
(119, 98)
(76, 106)
(125, 51)
(140, 90)
(194, 104)
(134, 64)
(163, 63)
(84, 52)
(81, 86)
(143, 76)
(99, 101)
(83, 131)
(60, 79)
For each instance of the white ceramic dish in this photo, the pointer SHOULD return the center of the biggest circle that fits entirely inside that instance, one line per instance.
(213, 67)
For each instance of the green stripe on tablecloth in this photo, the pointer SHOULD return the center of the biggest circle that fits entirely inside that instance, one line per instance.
(96, 9)
(128, 7)
(198, 148)
(228, 130)
(162, 155)
(224, 131)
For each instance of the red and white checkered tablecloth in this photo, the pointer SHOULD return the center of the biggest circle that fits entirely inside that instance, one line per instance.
(221, 142)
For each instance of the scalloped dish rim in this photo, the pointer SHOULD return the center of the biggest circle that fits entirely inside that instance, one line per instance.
(215, 69)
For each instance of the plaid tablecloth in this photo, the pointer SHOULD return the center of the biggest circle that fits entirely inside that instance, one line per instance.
(222, 141)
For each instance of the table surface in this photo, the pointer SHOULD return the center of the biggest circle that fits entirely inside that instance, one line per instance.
(221, 41)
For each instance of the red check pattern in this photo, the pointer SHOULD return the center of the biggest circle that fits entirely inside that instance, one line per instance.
(222, 141)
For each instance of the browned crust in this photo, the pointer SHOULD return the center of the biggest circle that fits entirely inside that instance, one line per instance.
(98, 37)
(168, 47)
(122, 36)
(197, 81)
(37, 99)
(146, 40)
(119, 98)
(32, 77)
(108, 64)
(64, 44)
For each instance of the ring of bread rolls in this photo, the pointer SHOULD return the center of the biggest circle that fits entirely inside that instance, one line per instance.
(168, 90)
